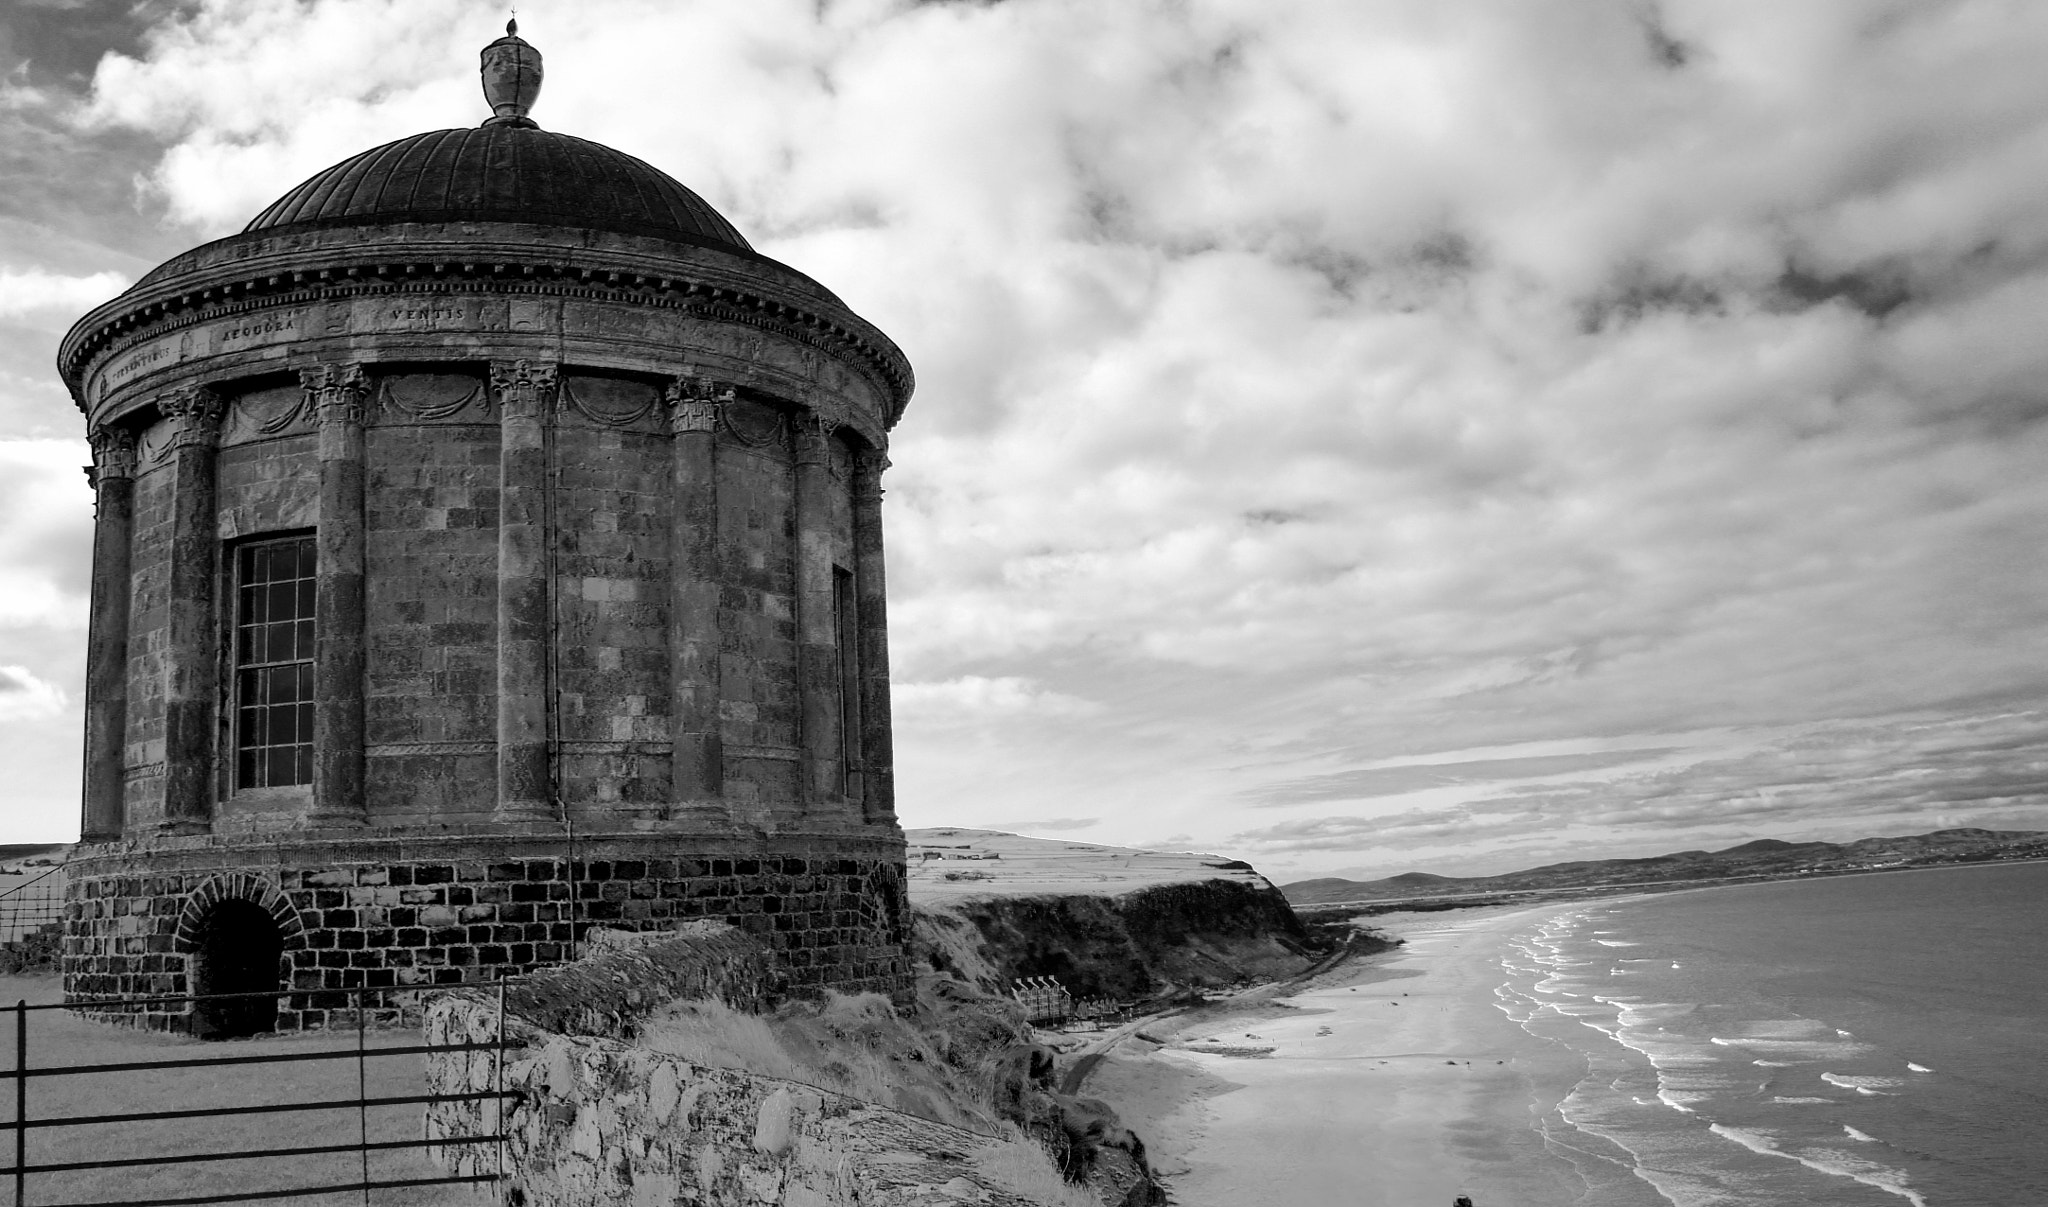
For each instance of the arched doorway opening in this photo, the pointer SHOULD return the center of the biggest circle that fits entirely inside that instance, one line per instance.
(239, 950)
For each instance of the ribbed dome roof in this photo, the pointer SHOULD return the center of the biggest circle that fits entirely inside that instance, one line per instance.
(502, 173)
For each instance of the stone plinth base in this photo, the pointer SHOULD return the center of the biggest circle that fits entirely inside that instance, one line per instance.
(399, 913)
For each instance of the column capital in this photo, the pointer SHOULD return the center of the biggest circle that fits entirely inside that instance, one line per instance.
(336, 392)
(197, 411)
(868, 467)
(813, 438)
(524, 387)
(113, 454)
(694, 404)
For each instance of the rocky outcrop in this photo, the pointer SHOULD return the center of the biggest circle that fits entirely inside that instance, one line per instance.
(600, 1122)
(626, 974)
(600, 1114)
(1139, 944)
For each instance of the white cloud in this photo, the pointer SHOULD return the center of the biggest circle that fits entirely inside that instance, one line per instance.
(1308, 385)
(45, 536)
(28, 290)
(972, 699)
(24, 697)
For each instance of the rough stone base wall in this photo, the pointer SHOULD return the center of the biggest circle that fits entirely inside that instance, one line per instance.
(601, 1123)
(393, 915)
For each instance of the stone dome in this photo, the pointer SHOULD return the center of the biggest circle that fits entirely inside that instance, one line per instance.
(502, 173)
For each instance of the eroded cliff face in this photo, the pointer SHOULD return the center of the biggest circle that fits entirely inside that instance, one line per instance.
(1106, 921)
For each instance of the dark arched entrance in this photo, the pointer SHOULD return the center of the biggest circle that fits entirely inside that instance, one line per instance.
(239, 950)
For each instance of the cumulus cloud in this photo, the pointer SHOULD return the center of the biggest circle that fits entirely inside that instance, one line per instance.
(45, 535)
(24, 291)
(972, 699)
(1837, 780)
(1313, 388)
(25, 697)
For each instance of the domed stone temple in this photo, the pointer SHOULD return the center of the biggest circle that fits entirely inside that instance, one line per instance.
(488, 547)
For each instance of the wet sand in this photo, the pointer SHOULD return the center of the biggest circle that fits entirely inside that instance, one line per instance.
(1395, 1081)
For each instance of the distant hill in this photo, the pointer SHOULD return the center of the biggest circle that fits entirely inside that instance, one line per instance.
(1770, 858)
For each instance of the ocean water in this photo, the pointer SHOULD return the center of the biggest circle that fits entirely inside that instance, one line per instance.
(1876, 1039)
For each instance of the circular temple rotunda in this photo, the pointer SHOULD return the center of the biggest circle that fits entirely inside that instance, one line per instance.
(488, 547)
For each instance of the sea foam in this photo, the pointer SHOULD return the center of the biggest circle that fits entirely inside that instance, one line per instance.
(1828, 1161)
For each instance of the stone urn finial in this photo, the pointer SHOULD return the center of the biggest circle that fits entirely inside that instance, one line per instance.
(512, 75)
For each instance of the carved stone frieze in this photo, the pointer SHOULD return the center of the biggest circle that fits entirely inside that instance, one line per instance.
(155, 332)
(607, 402)
(410, 398)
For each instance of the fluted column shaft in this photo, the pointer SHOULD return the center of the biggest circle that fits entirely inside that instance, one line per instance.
(112, 475)
(877, 745)
(817, 629)
(694, 644)
(337, 394)
(191, 662)
(525, 393)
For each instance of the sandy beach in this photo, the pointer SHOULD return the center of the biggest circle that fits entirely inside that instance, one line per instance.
(1395, 1081)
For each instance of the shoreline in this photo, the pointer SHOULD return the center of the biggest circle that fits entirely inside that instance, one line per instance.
(1394, 1080)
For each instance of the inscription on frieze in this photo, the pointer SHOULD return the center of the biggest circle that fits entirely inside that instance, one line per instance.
(135, 362)
(425, 313)
(259, 327)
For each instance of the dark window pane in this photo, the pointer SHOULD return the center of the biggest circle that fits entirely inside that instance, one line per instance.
(274, 638)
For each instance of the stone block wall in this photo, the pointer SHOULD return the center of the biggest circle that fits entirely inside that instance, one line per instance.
(613, 515)
(760, 707)
(395, 914)
(431, 596)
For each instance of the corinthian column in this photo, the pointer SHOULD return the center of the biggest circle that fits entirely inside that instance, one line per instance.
(525, 393)
(698, 763)
(191, 630)
(337, 394)
(112, 475)
(824, 766)
(877, 745)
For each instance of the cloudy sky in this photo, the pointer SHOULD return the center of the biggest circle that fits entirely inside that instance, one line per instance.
(1354, 435)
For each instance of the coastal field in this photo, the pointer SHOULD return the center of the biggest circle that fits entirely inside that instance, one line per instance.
(1395, 1081)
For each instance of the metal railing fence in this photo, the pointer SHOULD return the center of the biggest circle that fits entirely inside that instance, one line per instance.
(361, 1103)
(32, 905)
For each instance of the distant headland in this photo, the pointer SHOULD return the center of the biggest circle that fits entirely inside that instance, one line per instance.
(1763, 859)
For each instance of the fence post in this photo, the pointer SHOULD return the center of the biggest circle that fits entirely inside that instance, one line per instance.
(21, 1102)
(363, 1097)
(498, 1081)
